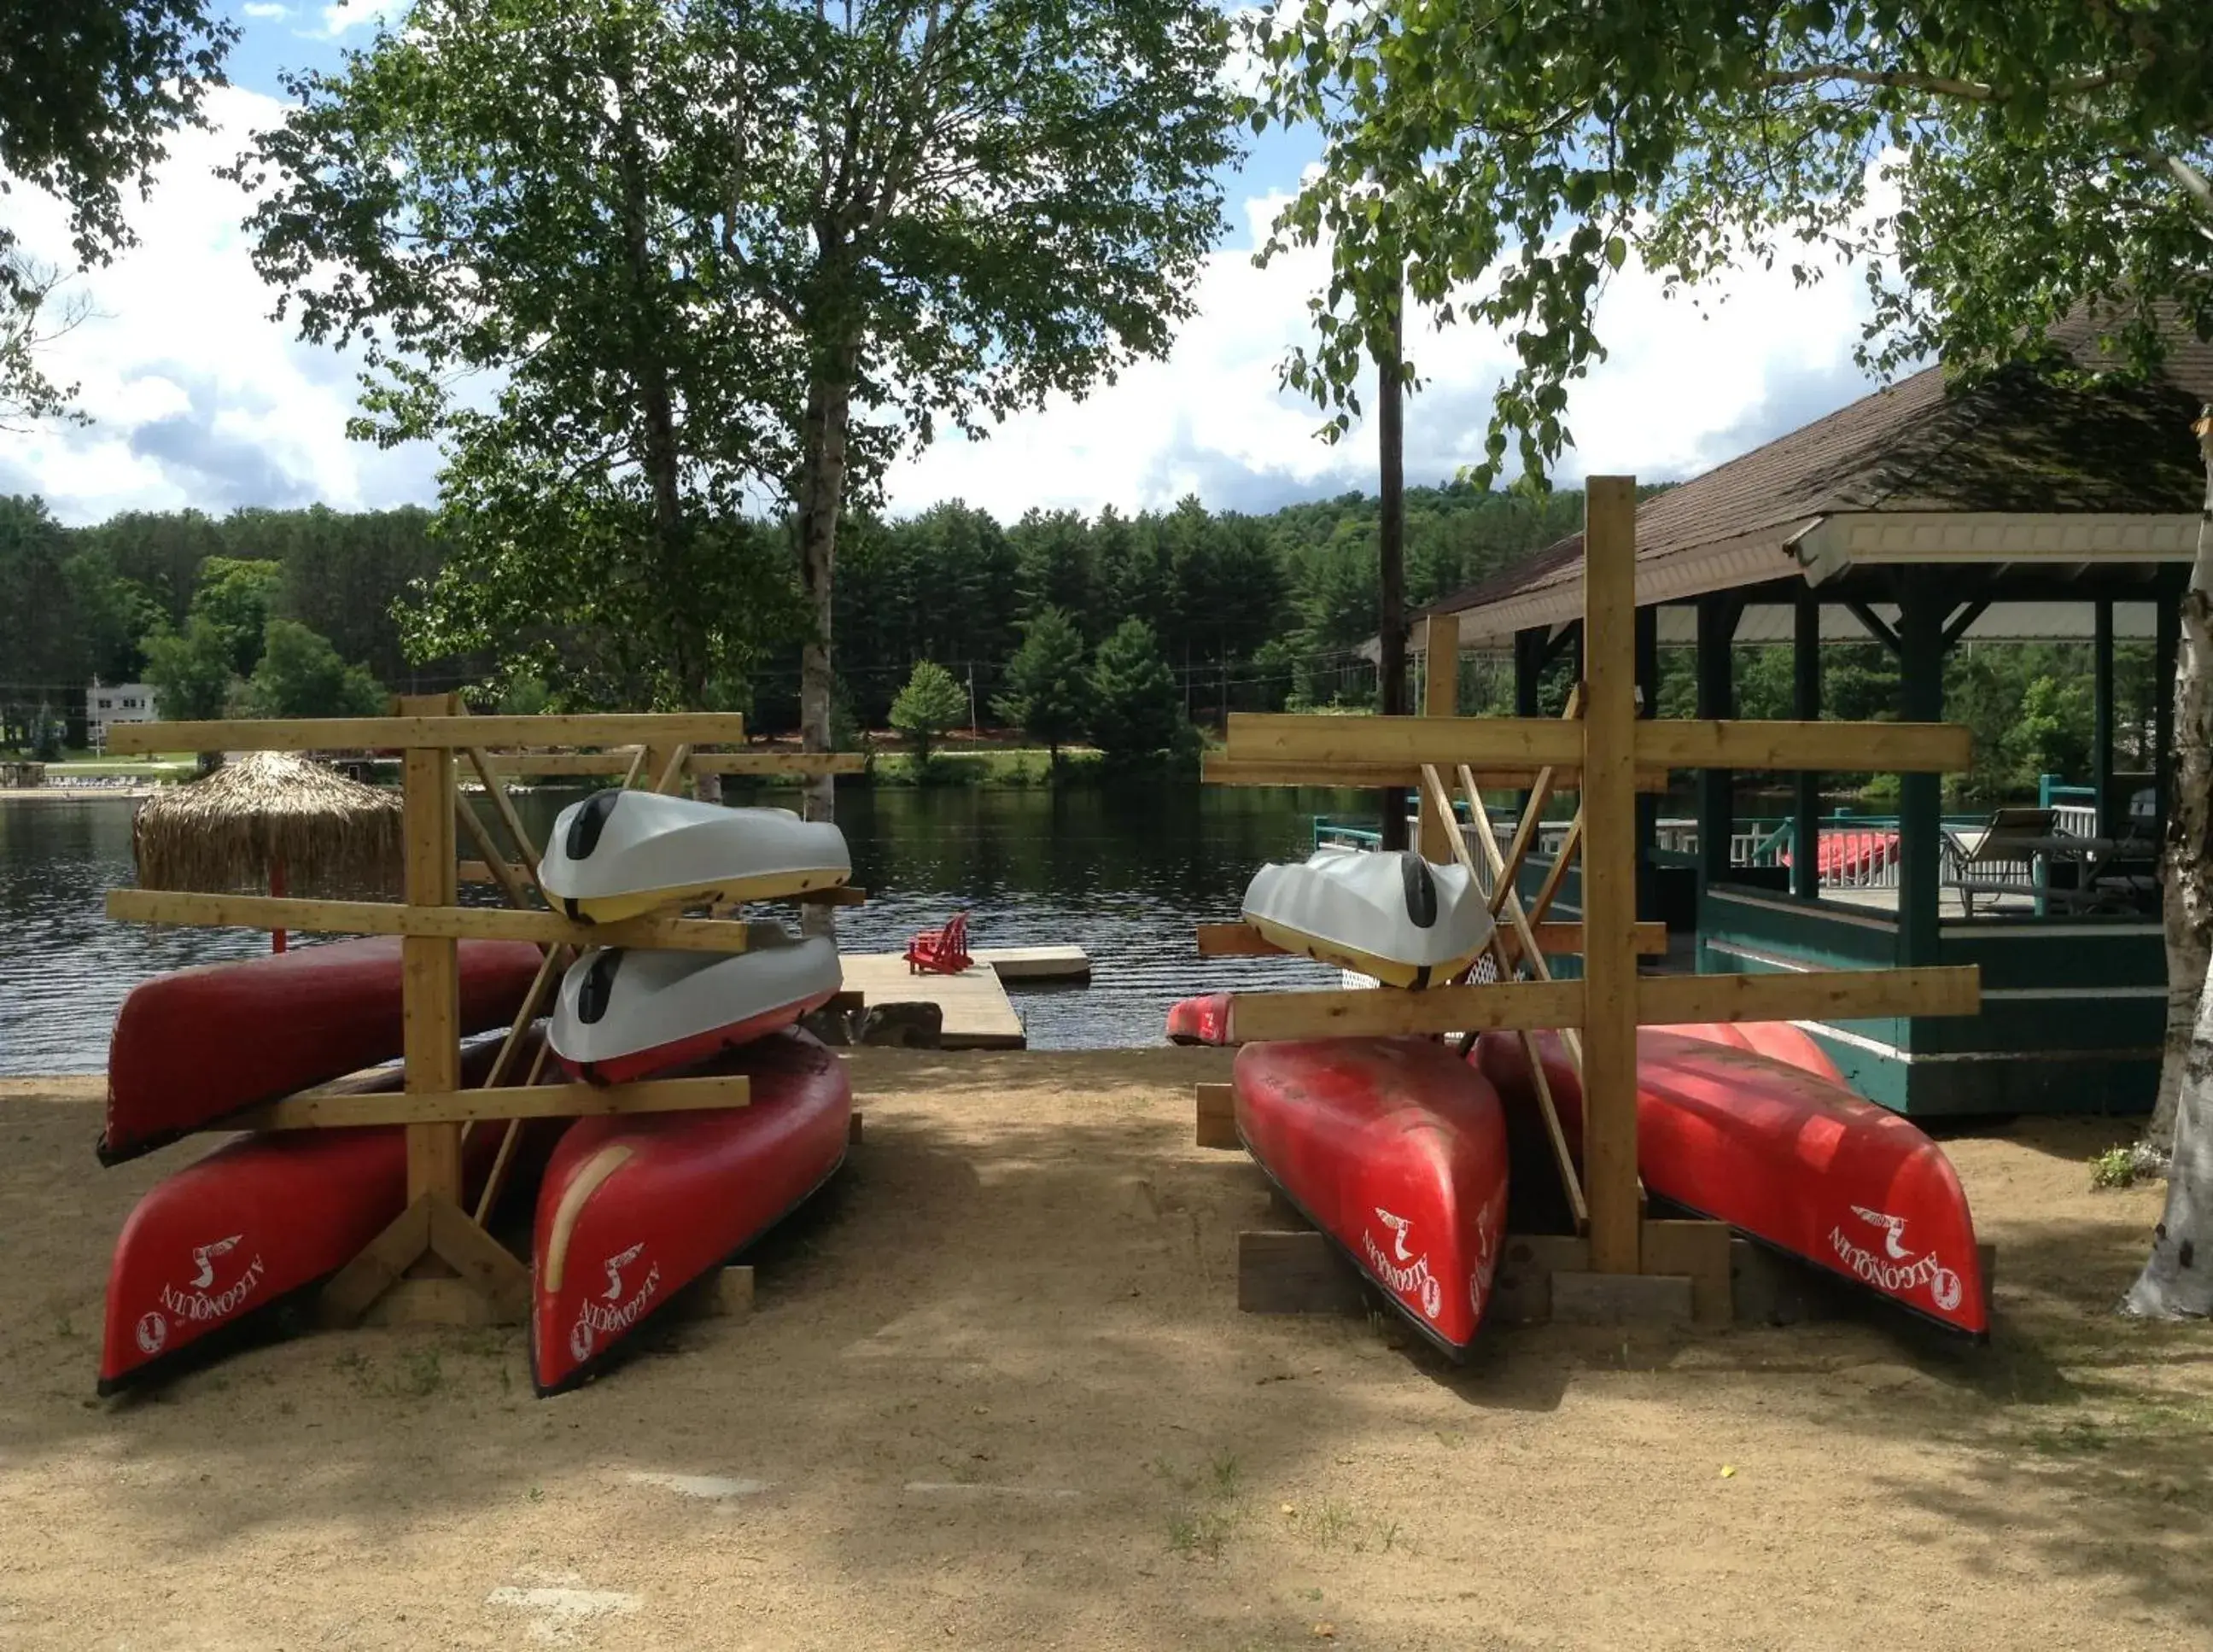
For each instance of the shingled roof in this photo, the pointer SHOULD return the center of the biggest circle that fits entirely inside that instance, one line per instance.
(2017, 443)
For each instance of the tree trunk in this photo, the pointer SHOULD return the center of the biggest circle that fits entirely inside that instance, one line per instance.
(2173, 1284)
(821, 491)
(1391, 526)
(2188, 905)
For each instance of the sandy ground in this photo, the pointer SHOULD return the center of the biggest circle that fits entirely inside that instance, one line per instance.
(996, 1393)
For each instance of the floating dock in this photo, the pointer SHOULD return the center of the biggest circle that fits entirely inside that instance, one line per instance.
(979, 1015)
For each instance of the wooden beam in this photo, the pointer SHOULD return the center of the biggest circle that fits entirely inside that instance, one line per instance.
(429, 969)
(418, 729)
(1382, 1012)
(1884, 747)
(1549, 890)
(1532, 810)
(1214, 1111)
(378, 1266)
(1810, 994)
(484, 1264)
(493, 868)
(1480, 742)
(1613, 738)
(1221, 769)
(1875, 627)
(503, 806)
(1555, 940)
(794, 765)
(326, 1110)
(448, 920)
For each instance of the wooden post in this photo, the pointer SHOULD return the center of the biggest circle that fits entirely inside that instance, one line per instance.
(1718, 617)
(1806, 785)
(2101, 713)
(1440, 698)
(1920, 796)
(1609, 903)
(430, 966)
(1528, 669)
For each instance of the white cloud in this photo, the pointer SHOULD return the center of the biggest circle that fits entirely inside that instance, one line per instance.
(341, 16)
(1679, 394)
(197, 397)
(267, 12)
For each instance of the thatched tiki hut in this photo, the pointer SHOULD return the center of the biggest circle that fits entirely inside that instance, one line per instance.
(271, 820)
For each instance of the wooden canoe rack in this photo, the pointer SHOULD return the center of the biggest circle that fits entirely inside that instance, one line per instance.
(1604, 750)
(436, 1263)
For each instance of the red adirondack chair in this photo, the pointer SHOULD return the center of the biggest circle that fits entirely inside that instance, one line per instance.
(941, 952)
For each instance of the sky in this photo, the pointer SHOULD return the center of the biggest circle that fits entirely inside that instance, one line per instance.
(200, 397)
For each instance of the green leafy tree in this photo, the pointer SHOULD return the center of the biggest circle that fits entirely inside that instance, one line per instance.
(930, 703)
(234, 596)
(1048, 688)
(92, 88)
(1136, 711)
(710, 244)
(191, 670)
(301, 675)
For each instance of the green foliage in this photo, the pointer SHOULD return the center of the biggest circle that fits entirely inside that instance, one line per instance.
(234, 596)
(190, 670)
(930, 703)
(1504, 165)
(92, 88)
(301, 675)
(2115, 1167)
(1048, 689)
(1135, 711)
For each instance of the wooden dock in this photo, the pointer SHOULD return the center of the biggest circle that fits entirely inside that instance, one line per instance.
(1036, 963)
(978, 1015)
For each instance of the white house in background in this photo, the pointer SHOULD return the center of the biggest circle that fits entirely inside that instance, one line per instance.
(113, 702)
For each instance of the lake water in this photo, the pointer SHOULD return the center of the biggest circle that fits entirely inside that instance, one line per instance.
(1123, 872)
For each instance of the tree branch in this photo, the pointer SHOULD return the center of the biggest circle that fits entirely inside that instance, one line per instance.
(1903, 80)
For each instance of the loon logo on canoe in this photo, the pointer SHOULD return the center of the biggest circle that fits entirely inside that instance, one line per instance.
(1414, 1279)
(593, 1320)
(197, 1302)
(1398, 1225)
(203, 1258)
(1894, 1237)
(615, 1265)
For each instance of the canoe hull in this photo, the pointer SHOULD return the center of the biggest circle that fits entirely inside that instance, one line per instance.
(1788, 1158)
(1200, 1021)
(194, 1046)
(633, 1209)
(1391, 916)
(623, 854)
(1388, 1149)
(629, 1015)
(1778, 1040)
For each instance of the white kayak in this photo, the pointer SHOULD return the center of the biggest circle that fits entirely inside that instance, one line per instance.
(626, 1013)
(622, 854)
(1394, 917)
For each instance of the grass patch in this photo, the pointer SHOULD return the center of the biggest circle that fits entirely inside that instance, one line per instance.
(1211, 1509)
(2115, 1167)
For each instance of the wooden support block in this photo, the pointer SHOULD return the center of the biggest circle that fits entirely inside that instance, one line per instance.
(441, 1301)
(1700, 1251)
(480, 1261)
(1217, 1113)
(1294, 1272)
(1623, 1299)
(379, 1265)
(725, 1294)
(1522, 1289)
(853, 1130)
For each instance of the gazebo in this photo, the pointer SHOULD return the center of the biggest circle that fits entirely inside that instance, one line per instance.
(1918, 518)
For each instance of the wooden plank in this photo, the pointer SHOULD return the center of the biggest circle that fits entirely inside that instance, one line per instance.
(482, 1263)
(1480, 742)
(1609, 814)
(1220, 769)
(377, 1267)
(492, 867)
(1653, 1300)
(1382, 1012)
(429, 969)
(1215, 1110)
(503, 806)
(1885, 747)
(1036, 963)
(1565, 857)
(449, 921)
(413, 728)
(1814, 994)
(1440, 698)
(1243, 941)
(1522, 1289)
(766, 765)
(1698, 1251)
(726, 1293)
(1294, 1272)
(327, 1110)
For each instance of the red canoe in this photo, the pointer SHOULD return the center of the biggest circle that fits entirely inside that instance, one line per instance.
(634, 1208)
(1396, 1150)
(1776, 1040)
(252, 1224)
(1200, 1021)
(193, 1045)
(1786, 1158)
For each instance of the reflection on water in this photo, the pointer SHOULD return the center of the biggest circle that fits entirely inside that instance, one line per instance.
(1123, 872)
